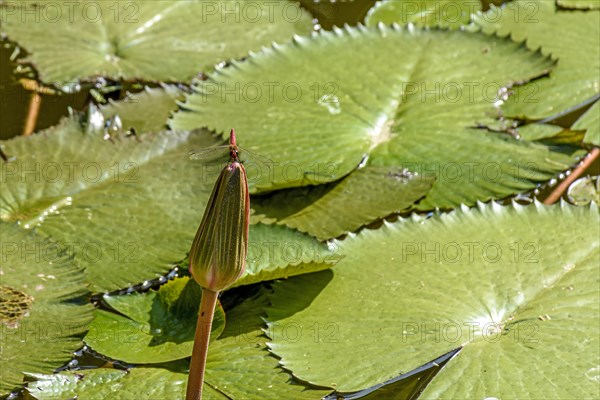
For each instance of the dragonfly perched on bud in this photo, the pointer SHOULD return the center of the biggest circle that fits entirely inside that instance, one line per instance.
(235, 152)
(264, 174)
(218, 253)
(259, 169)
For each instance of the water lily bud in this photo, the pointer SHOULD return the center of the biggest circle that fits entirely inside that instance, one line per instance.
(218, 254)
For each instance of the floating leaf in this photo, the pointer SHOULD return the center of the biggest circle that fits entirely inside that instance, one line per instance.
(531, 132)
(128, 209)
(277, 252)
(507, 283)
(409, 106)
(146, 111)
(239, 366)
(166, 382)
(551, 135)
(590, 121)
(154, 327)
(241, 351)
(585, 190)
(43, 312)
(328, 211)
(581, 4)
(442, 13)
(113, 206)
(144, 40)
(571, 36)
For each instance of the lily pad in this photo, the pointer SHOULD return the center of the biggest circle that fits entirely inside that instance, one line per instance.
(113, 206)
(144, 40)
(441, 13)
(43, 309)
(239, 366)
(532, 132)
(162, 382)
(590, 121)
(317, 123)
(584, 191)
(551, 135)
(576, 77)
(328, 211)
(129, 208)
(278, 252)
(146, 111)
(579, 4)
(489, 279)
(153, 327)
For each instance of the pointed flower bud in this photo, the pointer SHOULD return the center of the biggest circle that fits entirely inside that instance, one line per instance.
(218, 254)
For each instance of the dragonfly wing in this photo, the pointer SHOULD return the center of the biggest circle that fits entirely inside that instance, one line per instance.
(249, 156)
(209, 153)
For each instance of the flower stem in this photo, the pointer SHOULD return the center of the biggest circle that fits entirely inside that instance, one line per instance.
(198, 363)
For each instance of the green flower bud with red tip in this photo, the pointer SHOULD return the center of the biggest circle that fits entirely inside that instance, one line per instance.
(218, 254)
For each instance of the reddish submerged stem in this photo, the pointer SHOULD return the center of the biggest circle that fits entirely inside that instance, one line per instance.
(577, 172)
(32, 114)
(198, 363)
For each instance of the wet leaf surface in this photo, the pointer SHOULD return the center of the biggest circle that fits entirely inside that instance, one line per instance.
(159, 40)
(43, 306)
(517, 286)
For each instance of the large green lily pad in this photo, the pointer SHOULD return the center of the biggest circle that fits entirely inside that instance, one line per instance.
(153, 327)
(572, 37)
(129, 208)
(317, 123)
(144, 40)
(330, 210)
(109, 205)
(514, 286)
(239, 366)
(442, 13)
(43, 306)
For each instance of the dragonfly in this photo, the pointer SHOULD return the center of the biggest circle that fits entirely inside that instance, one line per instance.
(258, 167)
(217, 152)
